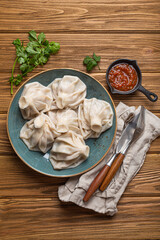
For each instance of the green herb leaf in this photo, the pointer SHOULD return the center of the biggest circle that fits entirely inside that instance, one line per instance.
(86, 60)
(30, 50)
(43, 60)
(11, 79)
(17, 42)
(34, 60)
(46, 43)
(91, 62)
(47, 51)
(32, 35)
(37, 52)
(96, 58)
(18, 79)
(41, 37)
(33, 44)
(91, 65)
(54, 47)
(24, 67)
(21, 60)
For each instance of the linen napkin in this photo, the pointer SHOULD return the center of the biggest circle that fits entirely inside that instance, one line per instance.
(106, 202)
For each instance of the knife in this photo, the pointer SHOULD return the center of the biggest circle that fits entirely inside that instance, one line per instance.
(131, 137)
(115, 161)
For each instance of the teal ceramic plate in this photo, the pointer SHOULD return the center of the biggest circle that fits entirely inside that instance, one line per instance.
(36, 160)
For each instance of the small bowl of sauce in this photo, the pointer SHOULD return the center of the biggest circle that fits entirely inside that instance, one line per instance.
(124, 77)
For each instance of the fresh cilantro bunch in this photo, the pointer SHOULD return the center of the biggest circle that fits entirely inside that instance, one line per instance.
(37, 52)
(91, 62)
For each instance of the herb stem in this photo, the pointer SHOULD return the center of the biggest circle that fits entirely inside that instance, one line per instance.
(14, 65)
(11, 87)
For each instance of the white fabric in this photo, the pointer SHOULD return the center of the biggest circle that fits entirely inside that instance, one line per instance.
(39, 133)
(68, 150)
(106, 202)
(95, 116)
(35, 98)
(69, 91)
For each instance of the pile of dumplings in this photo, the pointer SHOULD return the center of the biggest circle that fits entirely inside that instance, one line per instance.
(61, 118)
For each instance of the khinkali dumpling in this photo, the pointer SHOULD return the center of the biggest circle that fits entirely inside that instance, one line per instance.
(54, 92)
(94, 116)
(35, 98)
(69, 150)
(65, 120)
(69, 91)
(39, 133)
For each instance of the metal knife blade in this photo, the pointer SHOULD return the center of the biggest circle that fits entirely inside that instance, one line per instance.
(125, 138)
(127, 135)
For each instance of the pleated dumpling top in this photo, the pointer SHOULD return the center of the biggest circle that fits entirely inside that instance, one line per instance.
(35, 99)
(39, 133)
(68, 91)
(69, 150)
(95, 116)
(65, 120)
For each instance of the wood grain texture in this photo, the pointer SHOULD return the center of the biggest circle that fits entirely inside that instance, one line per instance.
(29, 204)
(98, 16)
(145, 48)
(23, 217)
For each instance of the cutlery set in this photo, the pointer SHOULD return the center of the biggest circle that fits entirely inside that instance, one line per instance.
(130, 134)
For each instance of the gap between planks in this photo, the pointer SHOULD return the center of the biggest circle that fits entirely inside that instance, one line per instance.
(90, 32)
(36, 197)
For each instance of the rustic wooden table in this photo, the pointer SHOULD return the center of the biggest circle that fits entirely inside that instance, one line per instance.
(29, 205)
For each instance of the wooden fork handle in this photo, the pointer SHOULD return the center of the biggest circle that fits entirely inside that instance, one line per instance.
(115, 165)
(96, 182)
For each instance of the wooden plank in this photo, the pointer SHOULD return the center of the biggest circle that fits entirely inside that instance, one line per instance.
(17, 179)
(66, 16)
(48, 218)
(89, 2)
(142, 47)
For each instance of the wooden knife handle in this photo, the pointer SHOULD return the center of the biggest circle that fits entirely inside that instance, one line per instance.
(115, 165)
(96, 182)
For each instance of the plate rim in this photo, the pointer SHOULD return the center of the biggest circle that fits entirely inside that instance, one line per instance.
(70, 175)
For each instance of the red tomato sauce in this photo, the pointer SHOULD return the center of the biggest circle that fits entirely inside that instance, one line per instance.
(123, 77)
